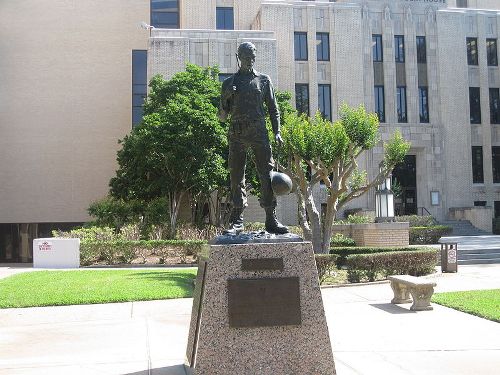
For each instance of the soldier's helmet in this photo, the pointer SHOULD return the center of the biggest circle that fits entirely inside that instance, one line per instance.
(246, 48)
(281, 183)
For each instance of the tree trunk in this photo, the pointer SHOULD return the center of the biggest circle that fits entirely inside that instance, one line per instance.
(315, 221)
(306, 229)
(328, 220)
(174, 207)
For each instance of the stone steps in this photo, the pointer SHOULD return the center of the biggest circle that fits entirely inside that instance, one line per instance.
(463, 228)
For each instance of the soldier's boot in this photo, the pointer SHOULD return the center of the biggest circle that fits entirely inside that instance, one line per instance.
(272, 223)
(235, 222)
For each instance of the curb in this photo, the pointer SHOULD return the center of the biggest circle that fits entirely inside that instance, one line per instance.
(354, 284)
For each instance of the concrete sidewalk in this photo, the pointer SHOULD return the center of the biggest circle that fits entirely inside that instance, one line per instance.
(369, 335)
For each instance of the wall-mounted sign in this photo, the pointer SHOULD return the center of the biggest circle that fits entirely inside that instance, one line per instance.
(435, 198)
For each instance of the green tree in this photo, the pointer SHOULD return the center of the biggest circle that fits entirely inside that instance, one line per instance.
(330, 151)
(178, 149)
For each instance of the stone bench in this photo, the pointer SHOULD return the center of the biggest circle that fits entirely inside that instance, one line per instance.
(420, 289)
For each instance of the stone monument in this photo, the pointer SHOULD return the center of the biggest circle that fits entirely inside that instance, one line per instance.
(257, 306)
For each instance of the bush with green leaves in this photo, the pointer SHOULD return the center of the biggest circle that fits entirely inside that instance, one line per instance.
(368, 267)
(339, 240)
(416, 220)
(428, 235)
(325, 263)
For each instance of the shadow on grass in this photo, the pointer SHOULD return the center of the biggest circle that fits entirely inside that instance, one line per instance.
(182, 280)
(169, 370)
(392, 308)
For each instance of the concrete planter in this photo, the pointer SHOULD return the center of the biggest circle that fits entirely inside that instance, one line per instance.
(376, 234)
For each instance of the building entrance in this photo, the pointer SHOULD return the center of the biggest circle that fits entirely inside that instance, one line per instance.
(404, 183)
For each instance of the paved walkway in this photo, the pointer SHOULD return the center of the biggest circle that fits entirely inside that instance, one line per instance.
(369, 335)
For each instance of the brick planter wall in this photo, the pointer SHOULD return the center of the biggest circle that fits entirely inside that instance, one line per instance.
(376, 234)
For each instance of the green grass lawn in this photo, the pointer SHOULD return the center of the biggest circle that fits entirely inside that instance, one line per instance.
(56, 288)
(483, 303)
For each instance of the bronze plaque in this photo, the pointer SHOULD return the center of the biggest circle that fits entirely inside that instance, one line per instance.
(262, 264)
(264, 302)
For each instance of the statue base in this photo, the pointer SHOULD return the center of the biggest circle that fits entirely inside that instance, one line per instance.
(258, 309)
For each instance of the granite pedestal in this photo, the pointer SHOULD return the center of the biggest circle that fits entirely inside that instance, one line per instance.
(258, 310)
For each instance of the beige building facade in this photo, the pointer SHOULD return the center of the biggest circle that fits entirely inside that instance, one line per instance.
(67, 91)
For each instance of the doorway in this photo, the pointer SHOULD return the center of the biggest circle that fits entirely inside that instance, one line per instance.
(404, 183)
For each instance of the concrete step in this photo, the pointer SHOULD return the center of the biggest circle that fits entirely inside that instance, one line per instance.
(478, 256)
(463, 228)
(479, 261)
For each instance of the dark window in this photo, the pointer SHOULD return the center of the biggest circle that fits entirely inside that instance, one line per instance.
(300, 45)
(475, 105)
(324, 101)
(423, 100)
(165, 14)
(399, 48)
(139, 83)
(380, 103)
(472, 57)
(461, 3)
(224, 76)
(479, 203)
(495, 162)
(491, 51)
(378, 52)
(225, 18)
(497, 209)
(421, 50)
(302, 98)
(477, 165)
(494, 106)
(401, 98)
(323, 46)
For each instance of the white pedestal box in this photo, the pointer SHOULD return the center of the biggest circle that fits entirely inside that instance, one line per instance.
(56, 253)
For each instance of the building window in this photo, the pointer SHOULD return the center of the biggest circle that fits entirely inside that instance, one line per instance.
(323, 46)
(224, 76)
(401, 98)
(300, 45)
(399, 48)
(472, 57)
(494, 106)
(421, 50)
(495, 162)
(497, 209)
(378, 52)
(475, 105)
(224, 18)
(491, 51)
(324, 101)
(380, 103)
(477, 165)
(165, 14)
(302, 98)
(139, 84)
(479, 203)
(423, 100)
(462, 4)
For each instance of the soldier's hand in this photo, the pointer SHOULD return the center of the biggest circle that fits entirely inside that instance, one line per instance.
(278, 139)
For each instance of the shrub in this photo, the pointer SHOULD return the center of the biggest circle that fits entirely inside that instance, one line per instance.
(416, 220)
(344, 252)
(120, 251)
(369, 266)
(355, 219)
(428, 235)
(89, 234)
(325, 263)
(339, 240)
(256, 226)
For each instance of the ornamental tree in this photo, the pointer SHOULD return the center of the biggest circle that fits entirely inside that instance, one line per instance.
(178, 149)
(330, 152)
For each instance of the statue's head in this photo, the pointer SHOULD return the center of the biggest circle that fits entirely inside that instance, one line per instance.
(246, 54)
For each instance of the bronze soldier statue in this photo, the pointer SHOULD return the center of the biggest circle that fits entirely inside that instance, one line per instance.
(242, 99)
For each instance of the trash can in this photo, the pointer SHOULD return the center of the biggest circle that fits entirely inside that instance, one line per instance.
(449, 257)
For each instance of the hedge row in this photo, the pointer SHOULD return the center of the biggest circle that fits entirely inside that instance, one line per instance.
(428, 235)
(368, 267)
(116, 252)
(344, 252)
(325, 263)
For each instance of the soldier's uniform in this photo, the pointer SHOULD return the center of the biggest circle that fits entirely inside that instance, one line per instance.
(243, 96)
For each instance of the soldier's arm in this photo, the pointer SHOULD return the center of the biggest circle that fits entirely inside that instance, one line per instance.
(224, 106)
(272, 106)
